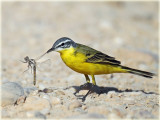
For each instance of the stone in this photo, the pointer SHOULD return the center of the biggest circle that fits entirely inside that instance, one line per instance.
(21, 100)
(35, 103)
(47, 90)
(11, 92)
(28, 90)
(88, 116)
(74, 104)
(55, 101)
(84, 107)
(39, 115)
(35, 114)
(59, 92)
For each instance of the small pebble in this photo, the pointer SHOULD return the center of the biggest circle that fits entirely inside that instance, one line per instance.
(36, 103)
(74, 104)
(21, 100)
(47, 90)
(59, 92)
(84, 107)
(55, 101)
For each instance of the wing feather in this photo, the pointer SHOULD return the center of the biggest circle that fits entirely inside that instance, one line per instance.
(94, 56)
(102, 58)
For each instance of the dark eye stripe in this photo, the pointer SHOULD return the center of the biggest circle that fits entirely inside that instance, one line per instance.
(64, 45)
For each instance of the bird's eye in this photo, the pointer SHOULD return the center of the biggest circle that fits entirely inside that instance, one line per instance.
(62, 44)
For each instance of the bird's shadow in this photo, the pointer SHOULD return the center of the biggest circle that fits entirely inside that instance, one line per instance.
(105, 90)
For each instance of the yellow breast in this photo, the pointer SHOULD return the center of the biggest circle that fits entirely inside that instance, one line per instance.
(78, 64)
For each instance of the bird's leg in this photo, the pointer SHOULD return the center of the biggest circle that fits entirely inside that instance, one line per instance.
(89, 91)
(94, 87)
(93, 80)
(87, 78)
(84, 85)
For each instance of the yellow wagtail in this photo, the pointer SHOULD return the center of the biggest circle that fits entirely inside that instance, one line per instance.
(89, 61)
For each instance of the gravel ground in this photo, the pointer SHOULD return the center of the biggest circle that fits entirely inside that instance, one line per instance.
(125, 30)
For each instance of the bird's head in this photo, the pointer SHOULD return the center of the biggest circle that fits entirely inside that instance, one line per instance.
(62, 44)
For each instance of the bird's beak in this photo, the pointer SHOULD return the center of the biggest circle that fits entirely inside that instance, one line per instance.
(52, 49)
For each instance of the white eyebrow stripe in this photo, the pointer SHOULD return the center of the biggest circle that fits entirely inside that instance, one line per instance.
(63, 42)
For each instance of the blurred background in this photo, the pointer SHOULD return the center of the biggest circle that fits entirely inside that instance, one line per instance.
(127, 31)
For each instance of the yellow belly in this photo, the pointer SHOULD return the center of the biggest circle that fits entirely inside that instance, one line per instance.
(78, 64)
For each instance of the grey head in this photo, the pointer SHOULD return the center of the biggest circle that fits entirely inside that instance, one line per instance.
(62, 43)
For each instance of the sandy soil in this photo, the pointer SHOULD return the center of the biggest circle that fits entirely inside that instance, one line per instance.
(125, 30)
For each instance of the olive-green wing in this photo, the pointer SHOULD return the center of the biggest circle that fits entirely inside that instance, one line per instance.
(94, 56)
(102, 58)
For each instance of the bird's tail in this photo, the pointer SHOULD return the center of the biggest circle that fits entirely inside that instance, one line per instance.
(138, 72)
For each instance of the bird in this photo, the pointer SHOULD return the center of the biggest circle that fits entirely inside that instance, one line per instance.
(88, 61)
